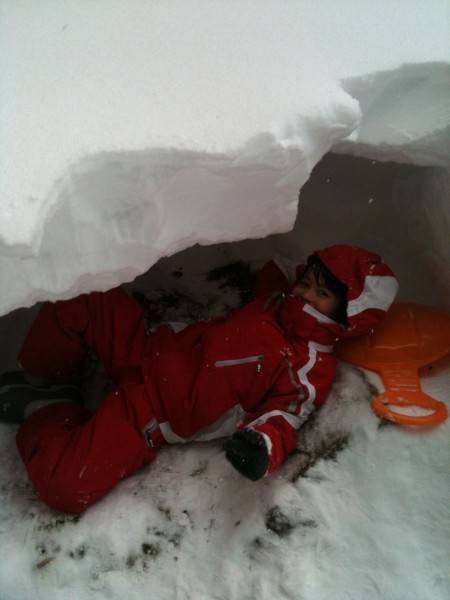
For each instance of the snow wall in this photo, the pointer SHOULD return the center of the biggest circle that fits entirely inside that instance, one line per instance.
(107, 171)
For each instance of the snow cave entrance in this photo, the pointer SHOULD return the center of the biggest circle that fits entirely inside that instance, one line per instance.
(396, 210)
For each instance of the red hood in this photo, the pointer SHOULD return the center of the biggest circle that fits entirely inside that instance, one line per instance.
(371, 284)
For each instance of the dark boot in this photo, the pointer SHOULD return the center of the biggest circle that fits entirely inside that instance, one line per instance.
(22, 393)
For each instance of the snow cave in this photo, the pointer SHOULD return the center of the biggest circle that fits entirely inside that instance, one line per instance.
(147, 144)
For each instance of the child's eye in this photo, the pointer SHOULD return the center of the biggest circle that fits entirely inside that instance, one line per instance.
(304, 283)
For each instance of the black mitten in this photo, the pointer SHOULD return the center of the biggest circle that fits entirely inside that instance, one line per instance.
(247, 452)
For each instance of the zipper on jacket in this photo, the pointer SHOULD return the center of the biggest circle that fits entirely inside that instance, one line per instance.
(149, 430)
(241, 361)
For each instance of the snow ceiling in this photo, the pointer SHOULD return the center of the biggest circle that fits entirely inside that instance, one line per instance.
(132, 130)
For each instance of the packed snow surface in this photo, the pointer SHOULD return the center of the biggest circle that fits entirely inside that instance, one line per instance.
(360, 511)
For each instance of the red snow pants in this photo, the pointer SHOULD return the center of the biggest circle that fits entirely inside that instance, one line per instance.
(74, 457)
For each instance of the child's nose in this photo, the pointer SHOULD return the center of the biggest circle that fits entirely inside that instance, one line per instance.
(308, 295)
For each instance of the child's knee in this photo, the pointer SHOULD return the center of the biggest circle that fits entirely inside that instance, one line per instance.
(66, 494)
(52, 348)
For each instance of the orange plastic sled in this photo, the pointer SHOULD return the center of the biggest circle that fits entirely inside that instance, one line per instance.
(410, 337)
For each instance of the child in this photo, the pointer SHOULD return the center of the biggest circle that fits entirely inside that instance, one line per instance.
(253, 377)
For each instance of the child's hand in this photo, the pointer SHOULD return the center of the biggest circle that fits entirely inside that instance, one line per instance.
(247, 452)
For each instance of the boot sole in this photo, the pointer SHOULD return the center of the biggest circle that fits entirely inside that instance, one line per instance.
(14, 398)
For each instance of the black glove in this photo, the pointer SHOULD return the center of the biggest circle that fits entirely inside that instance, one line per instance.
(247, 452)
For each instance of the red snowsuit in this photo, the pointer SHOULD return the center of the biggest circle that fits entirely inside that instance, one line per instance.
(267, 366)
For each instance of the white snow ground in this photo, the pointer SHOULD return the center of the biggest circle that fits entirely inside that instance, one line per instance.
(361, 512)
(132, 131)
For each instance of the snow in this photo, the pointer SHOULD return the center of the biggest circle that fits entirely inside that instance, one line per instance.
(360, 511)
(389, 126)
(131, 130)
(176, 137)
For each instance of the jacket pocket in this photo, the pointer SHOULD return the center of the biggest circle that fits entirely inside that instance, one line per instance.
(258, 360)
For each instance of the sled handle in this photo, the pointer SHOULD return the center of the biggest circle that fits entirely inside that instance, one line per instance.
(403, 389)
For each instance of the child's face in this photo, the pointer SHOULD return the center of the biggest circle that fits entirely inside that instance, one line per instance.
(317, 295)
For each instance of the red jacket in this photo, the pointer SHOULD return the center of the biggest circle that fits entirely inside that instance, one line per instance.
(269, 364)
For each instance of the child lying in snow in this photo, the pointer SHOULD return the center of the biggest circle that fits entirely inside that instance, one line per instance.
(253, 377)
